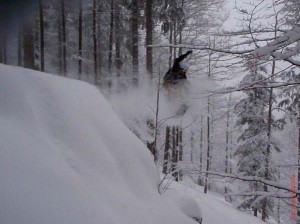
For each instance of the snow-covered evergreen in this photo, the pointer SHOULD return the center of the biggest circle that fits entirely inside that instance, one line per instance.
(252, 114)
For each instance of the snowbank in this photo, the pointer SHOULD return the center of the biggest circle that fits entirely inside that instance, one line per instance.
(214, 209)
(66, 158)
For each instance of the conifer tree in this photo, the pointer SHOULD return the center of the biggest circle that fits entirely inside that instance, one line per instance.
(291, 102)
(252, 150)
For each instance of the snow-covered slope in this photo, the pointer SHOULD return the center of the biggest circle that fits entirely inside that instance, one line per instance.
(214, 208)
(66, 158)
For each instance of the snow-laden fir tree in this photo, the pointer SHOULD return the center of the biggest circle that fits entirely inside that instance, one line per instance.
(252, 115)
(291, 103)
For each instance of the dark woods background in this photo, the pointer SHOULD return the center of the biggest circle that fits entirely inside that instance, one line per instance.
(95, 40)
(101, 41)
(13, 13)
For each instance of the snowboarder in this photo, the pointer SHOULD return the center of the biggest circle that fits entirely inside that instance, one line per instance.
(177, 72)
(175, 82)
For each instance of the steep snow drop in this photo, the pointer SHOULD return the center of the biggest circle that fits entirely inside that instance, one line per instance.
(66, 158)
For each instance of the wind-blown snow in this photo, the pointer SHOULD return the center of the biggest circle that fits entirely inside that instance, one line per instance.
(66, 158)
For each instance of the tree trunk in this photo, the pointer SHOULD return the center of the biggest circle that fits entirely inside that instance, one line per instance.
(1, 49)
(135, 40)
(208, 159)
(99, 38)
(149, 36)
(28, 45)
(208, 149)
(174, 37)
(151, 144)
(230, 151)
(4, 49)
(64, 39)
(95, 41)
(170, 48)
(111, 30)
(267, 156)
(192, 146)
(264, 215)
(166, 152)
(278, 201)
(80, 40)
(42, 39)
(177, 154)
(3, 53)
(156, 151)
(298, 197)
(180, 149)
(118, 33)
(59, 40)
(201, 152)
(20, 47)
(180, 27)
(174, 153)
(180, 41)
(227, 144)
(36, 44)
(255, 210)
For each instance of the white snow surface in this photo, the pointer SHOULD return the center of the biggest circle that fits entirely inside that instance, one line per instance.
(211, 206)
(66, 158)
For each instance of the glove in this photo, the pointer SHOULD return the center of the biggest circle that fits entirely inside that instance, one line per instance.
(189, 52)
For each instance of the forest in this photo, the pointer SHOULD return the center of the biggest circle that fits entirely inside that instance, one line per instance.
(239, 131)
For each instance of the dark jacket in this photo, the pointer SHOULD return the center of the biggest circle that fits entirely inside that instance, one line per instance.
(176, 72)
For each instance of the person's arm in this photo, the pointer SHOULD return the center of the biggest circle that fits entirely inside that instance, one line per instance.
(180, 58)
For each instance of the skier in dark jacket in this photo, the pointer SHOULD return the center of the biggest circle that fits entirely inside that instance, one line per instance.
(177, 72)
